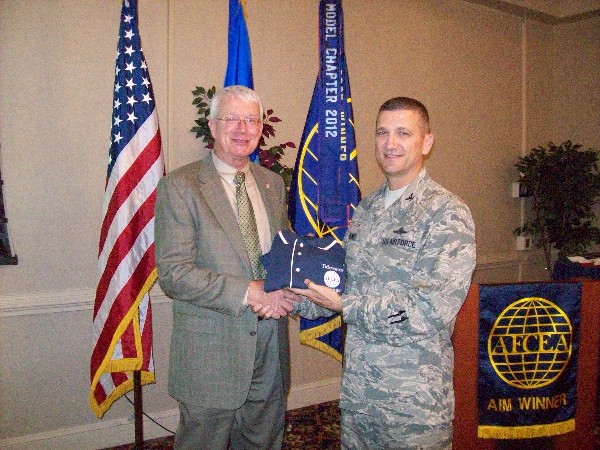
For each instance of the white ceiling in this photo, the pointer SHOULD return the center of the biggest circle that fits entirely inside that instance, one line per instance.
(559, 8)
(551, 11)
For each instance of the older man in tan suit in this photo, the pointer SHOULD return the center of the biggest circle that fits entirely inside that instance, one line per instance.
(228, 368)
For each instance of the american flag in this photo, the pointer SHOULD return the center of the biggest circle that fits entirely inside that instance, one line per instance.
(122, 311)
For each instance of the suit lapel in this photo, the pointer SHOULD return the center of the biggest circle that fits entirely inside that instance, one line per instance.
(217, 200)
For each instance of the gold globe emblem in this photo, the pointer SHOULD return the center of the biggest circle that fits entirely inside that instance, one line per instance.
(530, 343)
(308, 180)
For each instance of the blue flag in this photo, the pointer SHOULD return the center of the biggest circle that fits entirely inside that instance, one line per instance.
(239, 58)
(324, 190)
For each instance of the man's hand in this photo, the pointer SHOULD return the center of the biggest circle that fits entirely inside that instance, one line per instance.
(269, 305)
(321, 295)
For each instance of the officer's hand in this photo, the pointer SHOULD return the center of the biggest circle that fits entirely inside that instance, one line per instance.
(321, 295)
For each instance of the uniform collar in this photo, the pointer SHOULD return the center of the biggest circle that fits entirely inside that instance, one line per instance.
(410, 194)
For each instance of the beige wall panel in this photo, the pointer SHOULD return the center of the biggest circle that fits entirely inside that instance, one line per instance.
(56, 79)
(197, 57)
(48, 383)
(476, 108)
(540, 90)
(577, 75)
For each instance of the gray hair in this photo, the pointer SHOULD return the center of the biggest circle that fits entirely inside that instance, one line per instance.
(241, 92)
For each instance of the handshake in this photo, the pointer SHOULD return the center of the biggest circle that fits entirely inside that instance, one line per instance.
(280, 303)
(274, 304)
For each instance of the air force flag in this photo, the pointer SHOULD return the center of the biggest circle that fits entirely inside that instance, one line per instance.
(239, 56)
(325, 189)
(239, 59)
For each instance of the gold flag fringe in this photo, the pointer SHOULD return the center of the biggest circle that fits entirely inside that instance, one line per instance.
(531, 431)
(310, 337)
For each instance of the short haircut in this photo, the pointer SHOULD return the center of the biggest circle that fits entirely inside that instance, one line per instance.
(241, 92)
(407, 103)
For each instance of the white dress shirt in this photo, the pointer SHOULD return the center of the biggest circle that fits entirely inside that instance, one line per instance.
(227, 174)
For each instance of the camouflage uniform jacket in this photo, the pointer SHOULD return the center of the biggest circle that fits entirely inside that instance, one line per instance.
(409, 269)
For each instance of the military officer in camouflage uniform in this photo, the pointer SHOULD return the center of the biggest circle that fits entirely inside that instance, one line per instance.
(410, 257)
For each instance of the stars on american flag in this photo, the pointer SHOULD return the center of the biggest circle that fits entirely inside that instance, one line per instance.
(133, 98)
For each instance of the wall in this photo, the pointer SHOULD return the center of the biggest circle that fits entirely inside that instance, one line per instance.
(495, 86)
(576, 70)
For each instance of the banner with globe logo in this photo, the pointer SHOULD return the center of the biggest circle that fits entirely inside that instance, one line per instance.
(324, 190)
(528, 345)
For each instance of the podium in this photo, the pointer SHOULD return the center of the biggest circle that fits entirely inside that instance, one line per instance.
(465, 340)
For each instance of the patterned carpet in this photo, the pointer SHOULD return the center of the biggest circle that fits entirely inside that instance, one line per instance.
(315, 427)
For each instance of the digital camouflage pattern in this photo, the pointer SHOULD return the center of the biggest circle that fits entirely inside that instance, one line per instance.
(363, 432)
(409, 269)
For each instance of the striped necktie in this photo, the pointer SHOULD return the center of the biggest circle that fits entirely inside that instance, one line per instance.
(247, 223)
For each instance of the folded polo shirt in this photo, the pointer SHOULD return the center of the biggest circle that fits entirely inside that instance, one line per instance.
(294, 258)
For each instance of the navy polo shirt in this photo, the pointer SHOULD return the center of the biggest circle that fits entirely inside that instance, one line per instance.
(294, 258)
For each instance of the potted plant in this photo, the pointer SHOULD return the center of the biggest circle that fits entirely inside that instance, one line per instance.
(563, 185)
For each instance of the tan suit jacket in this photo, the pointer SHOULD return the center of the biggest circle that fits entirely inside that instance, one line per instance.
(204, 267)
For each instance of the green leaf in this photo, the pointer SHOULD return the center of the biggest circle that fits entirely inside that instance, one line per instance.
(565, 185)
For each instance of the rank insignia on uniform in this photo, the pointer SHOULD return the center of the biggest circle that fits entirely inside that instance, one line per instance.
(399, 317)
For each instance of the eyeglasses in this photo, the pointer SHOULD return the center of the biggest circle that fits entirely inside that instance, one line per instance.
(230, 121)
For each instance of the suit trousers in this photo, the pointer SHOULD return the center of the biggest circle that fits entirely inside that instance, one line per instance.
(257, 424)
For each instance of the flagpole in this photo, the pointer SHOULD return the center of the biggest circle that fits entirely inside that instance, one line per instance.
(138, 410)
